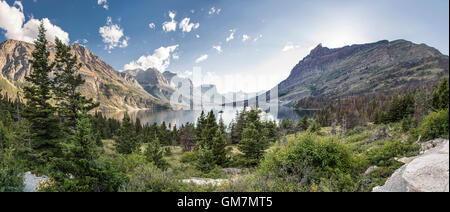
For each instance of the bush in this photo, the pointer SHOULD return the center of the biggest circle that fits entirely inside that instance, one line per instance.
(188, 157)
(435, 125)
(312, 162)
(151, 179)
(10, 180)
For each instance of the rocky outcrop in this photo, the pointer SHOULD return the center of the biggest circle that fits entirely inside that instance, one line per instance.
(384, 66)
(103, 84)
(428, 172)
(32, 181)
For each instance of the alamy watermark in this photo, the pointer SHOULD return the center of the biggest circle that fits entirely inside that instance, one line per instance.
(193, 94)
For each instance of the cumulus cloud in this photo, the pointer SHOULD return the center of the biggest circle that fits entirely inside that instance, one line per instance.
(213, 11)
(289, 47)
(171, 25)
(231, 36)
(201, 58)
(218, 48)
(12, 21)
(197, 36)
(160, 59)
(186, 26)
(245, 37)
(113, 35)
(151, 25)
(104, 4)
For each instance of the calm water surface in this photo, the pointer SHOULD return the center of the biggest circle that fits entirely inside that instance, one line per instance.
(184, 116)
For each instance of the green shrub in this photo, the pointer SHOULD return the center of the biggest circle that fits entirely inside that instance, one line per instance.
(188, 157)
(312, 163)
(435, 125)
(10, 180)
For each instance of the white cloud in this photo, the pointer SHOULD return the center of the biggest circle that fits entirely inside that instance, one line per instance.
(104, 3)
(160, 59)
(201, 58)
(231, 36)
(169, 26)
(113, 35)
(289, 47)
(257, 38)
(218, 48)
(197, 36)
(213, 10)
(185, 26)
(245, 37)
(12, 20)
(151, 25)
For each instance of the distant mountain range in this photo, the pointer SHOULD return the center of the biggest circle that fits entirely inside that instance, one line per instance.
(352, 70)
(363, 69)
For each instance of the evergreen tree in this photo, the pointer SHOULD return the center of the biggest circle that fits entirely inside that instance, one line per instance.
(253, 144)
(218, 148)
(238, 127)
(38, 110)
(187, 137)
(204, 159)
(154, 153)
(303, 124)
(66, 83)
(440, 98)
(126, 139)
(78, 170)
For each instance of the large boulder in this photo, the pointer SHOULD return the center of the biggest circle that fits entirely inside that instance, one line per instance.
(428, 172)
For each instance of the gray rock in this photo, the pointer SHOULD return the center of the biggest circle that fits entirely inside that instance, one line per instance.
(231, 171)
(428, 172)
(31, 181)
(370, 170)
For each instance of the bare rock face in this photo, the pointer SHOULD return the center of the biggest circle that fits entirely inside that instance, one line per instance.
(112, 89)
(428, 172)
(382, 66)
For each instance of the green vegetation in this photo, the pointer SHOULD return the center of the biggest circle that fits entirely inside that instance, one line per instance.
(53, 134)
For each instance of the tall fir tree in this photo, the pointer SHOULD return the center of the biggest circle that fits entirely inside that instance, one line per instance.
(66, 84)
(38, 94)
(252, 145)
(218, 148)
(126, 140)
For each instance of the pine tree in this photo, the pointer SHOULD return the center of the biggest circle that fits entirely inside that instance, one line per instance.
(66, 83)
(126, 140)
(38, 93)
(440, 98)
(303, 124)
(238, 127)
(253, 144)
(154, 153)
(218, 148)
(78, 170)
(187, 137)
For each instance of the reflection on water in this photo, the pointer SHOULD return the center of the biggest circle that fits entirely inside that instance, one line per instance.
(184, 116)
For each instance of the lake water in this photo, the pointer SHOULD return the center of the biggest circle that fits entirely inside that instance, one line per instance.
(184, 116)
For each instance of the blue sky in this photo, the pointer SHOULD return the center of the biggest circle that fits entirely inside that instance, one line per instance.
(269, 36)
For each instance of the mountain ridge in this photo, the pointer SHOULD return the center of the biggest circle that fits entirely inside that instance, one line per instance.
(103, 83)
(383, 66)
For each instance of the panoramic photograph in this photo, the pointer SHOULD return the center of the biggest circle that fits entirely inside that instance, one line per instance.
(224, 97)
